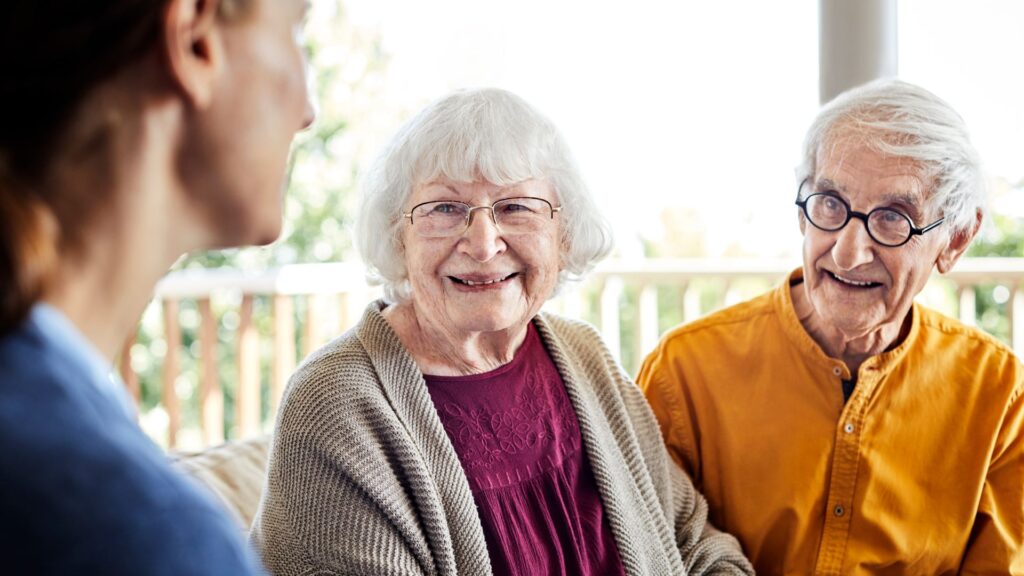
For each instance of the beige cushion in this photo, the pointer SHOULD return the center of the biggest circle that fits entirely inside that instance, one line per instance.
(234, 471)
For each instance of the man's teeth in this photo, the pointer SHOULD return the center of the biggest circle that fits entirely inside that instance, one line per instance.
(851, 282)
(472, 283)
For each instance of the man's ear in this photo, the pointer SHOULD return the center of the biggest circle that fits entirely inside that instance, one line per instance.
(957, 246)
(193, 48)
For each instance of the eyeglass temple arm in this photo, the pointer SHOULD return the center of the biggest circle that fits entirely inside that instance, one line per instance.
(928, 227)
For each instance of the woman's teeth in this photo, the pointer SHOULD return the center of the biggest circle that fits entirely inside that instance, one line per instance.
(485, 283)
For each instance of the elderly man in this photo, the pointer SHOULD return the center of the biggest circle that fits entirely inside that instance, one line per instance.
(835, 426)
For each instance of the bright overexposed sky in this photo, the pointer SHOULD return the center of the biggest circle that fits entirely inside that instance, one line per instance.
(693, 112)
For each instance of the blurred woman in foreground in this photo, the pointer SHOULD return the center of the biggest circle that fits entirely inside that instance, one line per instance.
(130, 132)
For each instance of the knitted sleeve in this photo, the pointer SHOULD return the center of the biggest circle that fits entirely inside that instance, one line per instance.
(334, 501)
(703, 548)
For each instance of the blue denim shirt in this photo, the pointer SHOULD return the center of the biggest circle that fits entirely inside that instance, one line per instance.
(65, 338)
(82, 489)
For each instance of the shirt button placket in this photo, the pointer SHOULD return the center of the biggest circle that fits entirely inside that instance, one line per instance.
(842, 485)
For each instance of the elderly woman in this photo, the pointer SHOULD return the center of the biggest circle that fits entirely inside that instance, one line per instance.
(130, 132)
(457, 429)
(835, 426)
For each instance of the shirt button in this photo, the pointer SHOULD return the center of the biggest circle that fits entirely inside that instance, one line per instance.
(837, 371)
(839, 510)
(848, 428)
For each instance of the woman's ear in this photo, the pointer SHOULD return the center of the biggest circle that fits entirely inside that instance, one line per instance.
(193, 48)
(957, 245)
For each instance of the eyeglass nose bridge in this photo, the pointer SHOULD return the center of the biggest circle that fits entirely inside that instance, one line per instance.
(850, 215)
(472, 209)
(854, 215)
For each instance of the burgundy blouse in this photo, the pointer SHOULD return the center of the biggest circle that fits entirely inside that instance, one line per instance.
(517, 437)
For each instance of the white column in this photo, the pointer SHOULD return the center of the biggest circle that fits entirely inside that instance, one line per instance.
(856, 43)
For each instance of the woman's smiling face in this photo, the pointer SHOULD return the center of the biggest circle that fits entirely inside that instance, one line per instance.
(484, 279)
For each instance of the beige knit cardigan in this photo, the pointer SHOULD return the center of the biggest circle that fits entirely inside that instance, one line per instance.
(363, 480)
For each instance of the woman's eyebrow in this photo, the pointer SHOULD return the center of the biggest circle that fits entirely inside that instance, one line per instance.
(446, 186)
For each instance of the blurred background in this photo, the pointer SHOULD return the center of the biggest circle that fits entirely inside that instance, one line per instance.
(686, 118)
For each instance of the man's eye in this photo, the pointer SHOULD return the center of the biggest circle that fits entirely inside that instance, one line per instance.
(832, 204)
(892, 217)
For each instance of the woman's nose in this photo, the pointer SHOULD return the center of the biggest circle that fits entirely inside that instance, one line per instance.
(482, 239)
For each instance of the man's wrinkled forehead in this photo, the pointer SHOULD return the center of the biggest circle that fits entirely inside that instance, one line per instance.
(839, 163)
(847, 137)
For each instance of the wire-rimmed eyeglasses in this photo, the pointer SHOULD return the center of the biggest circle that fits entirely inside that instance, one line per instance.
(827, 211)
(444, 218)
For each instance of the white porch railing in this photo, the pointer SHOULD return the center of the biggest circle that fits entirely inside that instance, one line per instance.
(334, 295)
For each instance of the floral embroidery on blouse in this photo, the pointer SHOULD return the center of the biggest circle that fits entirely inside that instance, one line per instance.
(484, 436)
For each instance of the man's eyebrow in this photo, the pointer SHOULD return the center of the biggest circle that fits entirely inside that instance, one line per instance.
(912, 202)
(827, 184)
(908, 198)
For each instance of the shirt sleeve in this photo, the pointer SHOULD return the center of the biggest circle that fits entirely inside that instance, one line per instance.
(997, 538)
(663, 382)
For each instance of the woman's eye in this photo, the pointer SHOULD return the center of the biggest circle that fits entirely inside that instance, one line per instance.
(514, 208)
(446, 208)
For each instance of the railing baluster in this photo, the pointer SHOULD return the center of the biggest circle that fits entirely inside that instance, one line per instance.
(344, 314)
(211, 396)
(691, 302)
(247, 394)
(732, 294)
(171, 370)
(314, 325)
(647, 321)
(284, 347)
(611, 292)
(968, 309)
(1015, 313)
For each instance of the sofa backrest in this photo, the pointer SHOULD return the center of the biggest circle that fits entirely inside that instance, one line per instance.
(233, 471)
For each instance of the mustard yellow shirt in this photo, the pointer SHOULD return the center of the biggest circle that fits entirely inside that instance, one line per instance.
(921, 471)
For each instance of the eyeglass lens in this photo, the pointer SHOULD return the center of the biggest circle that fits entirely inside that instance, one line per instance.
(884, 225)
(512, 216)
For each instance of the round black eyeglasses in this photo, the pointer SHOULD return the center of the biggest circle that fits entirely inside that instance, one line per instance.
(827, 211)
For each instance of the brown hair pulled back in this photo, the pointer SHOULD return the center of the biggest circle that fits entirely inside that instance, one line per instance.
(52, 54)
